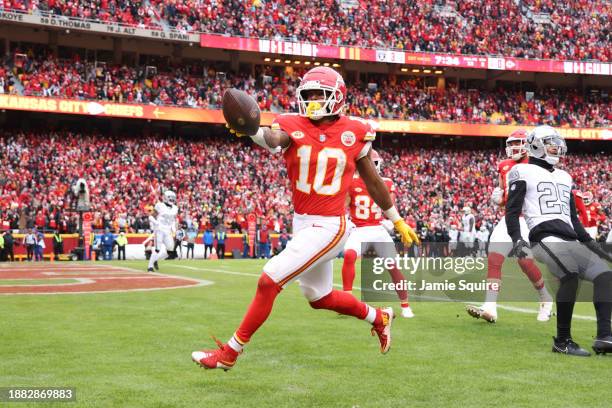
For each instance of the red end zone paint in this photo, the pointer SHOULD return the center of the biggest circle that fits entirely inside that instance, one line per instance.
(90, 279)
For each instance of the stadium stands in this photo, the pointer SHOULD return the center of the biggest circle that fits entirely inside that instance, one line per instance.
(406, 98)
(222, 180)
(137, 13)
(573, 30)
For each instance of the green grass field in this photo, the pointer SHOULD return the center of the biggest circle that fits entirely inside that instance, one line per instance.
(133, 350)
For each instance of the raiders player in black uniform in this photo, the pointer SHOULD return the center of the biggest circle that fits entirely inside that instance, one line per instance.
(543, 194)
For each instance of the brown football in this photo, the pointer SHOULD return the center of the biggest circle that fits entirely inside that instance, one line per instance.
(241, 111)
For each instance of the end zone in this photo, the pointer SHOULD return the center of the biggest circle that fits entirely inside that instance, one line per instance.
(87, 278)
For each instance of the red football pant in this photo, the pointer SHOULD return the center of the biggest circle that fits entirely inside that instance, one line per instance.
(346, 304)
(532, 271)
(397, 276)
(260, 308)
(494, 266)
(348, 269)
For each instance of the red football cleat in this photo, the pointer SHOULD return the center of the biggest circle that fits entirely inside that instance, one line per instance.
(383, 330)
(224, 357)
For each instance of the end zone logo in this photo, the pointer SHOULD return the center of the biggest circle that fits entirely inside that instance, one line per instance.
(348, 138)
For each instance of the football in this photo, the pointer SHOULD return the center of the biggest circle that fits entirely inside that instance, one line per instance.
(241, 111)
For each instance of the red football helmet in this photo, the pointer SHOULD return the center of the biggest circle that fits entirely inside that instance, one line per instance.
(331, 102)
(514, 150)
(587, 197)
(376, 159)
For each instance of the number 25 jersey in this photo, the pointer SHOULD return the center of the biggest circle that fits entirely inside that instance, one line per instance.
(321, 160)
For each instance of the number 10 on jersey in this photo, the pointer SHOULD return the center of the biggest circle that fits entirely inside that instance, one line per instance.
(322, 162)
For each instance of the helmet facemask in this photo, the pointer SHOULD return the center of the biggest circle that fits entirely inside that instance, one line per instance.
(554, 149)
(515, 149)
(327, 102)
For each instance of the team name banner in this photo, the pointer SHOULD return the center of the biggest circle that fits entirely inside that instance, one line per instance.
(309, 50)
(215, 116)
(63, 22)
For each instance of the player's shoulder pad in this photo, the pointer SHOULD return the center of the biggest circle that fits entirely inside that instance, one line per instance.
(364, 128)
(505, 165)
(282, 120)
(518, 172)
(562, 174)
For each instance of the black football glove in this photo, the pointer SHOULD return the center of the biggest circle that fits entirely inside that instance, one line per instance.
(592, 245)
(519, 249)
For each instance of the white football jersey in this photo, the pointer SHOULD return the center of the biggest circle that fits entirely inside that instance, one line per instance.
(453, 235)
(469, 223)
(166, 216)
(547, 195)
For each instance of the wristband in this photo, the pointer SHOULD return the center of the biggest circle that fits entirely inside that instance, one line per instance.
(392, 214)
(258, 138)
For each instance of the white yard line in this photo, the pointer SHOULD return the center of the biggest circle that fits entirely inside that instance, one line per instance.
(500, 306)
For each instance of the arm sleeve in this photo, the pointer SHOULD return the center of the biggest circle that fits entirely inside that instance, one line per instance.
(514, 206)
(583, 236)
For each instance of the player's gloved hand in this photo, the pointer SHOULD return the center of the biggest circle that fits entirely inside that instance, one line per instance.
(406, 233)
(519, 249)
(232, 131)
(592, 245)
(497, 196)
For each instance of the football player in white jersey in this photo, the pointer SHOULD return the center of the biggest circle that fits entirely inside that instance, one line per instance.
(164, 221)
(468, 235)
(543, 193)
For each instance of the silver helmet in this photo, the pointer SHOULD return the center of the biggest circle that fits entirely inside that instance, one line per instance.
(545, 143)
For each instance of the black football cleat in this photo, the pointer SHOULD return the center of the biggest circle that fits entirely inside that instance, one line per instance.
(156, 266)
(602, 345)
(150, 270)
(568, 347)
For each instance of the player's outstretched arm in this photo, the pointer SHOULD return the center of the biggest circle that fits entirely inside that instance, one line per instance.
(381, 196)
(272, 140)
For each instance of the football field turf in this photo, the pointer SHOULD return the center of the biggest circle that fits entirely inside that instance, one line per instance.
(133, 349)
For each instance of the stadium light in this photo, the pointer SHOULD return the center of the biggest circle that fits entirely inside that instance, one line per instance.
(277, 60)
(336, 65)
(427, 71)
(297, 62)
(317, 63)
(326, 64)
(404, 69)
(306, 62)
(267, 59)
(439, 71)
(416, 71)
(287, 61)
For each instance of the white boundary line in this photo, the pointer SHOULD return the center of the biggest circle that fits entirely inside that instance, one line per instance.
(504, 307)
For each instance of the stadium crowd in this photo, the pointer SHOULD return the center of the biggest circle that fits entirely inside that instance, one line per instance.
(574, 29)
(201, 86)
(221, 180)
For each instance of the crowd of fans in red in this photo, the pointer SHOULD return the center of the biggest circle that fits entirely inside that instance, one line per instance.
(221, 180)
(196, 85)
(136, 13)
(573, 29)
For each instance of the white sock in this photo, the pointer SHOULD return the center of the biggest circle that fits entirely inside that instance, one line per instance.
(371, 316)
(491, 306)
(544, 295)
(235, 344)
(154, 257)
